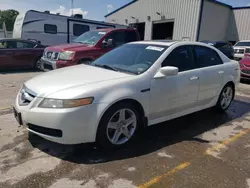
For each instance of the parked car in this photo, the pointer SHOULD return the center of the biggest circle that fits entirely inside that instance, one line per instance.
(87, 47)
(239, 49)
(18, 53)
(135, 85)
(225, 47)
(245, 67)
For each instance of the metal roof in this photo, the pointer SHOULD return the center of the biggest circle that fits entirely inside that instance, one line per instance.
(213, 1)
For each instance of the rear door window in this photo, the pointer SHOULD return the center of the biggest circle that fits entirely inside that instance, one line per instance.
(118, 38)
(182, 58)
(206, 57)
(21, 44)
(79, 29)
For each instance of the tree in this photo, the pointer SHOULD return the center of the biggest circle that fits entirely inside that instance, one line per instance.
(9, 17)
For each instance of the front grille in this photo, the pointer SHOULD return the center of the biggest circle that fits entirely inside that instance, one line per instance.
(26, 96)
(51, 55)
(47, 66)
(239, 51)
(246, 71)
(44, 130)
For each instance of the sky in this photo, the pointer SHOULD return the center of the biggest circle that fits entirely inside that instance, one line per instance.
(90, 9)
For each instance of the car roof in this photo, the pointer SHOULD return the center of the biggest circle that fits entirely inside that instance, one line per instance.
(214, 42)
(244, 41)
(115, 29)
(169, 42)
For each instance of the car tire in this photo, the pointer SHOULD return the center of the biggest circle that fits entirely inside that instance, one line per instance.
(37, 65)
(226, 97)
(118, 126)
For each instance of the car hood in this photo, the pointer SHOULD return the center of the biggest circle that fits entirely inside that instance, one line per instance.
(65, 78)
(240, 47)
(68, 47)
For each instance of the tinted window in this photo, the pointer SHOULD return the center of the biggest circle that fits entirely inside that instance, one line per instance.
(243, 44)
(131, 36)
(181, 57)
(8, 44)
(79, 29)
(48, 28)
(25, 45)
(206, 57)
(141, 57)
(118, 38)
(223, 45)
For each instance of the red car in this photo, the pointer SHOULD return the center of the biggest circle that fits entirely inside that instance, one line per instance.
(87, 47)
(245, 68)
(18, 53)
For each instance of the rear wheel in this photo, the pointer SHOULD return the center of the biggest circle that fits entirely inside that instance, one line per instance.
(37, 65)
(118, 126)
(225, 98)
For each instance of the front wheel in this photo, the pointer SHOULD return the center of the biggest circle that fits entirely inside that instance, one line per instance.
(118, 126)
(225, 98)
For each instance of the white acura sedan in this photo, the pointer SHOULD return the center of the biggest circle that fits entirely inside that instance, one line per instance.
(138, 84)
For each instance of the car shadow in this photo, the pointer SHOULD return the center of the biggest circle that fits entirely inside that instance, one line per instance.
(153, 138)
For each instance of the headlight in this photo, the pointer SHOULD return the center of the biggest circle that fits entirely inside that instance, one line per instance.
(65, 103)
(66, 55)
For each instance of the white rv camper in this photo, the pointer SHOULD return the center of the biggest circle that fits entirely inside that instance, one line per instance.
(53, 29)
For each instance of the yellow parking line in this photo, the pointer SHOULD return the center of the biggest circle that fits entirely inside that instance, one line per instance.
(171, 172)
(226, 142)
(5, 108)
(184, 165)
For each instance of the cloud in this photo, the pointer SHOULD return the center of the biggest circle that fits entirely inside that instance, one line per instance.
(110, 8)
(67, 12)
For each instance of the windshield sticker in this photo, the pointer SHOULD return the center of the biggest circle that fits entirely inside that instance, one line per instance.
(154, 48)
(102, 33)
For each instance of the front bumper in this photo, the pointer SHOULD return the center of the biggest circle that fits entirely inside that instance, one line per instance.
(65, 126)
(47, 64)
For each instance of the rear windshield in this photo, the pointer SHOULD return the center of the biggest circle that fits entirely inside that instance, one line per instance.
(131, 58)
(243, 44)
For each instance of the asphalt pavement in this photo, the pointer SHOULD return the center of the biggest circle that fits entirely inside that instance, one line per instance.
(204, 149)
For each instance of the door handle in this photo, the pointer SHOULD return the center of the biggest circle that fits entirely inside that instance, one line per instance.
(194, 78)
(221, 72)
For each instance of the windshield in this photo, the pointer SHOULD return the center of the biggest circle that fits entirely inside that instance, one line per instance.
(131, 58)
(243, 44)
(90, 37)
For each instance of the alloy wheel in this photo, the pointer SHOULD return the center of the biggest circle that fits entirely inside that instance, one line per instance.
(226, 97)
(121, 126)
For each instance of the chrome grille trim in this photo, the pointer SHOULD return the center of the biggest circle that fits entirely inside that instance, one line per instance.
(51, 55)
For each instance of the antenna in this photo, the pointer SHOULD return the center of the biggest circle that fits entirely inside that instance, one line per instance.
(72, 7)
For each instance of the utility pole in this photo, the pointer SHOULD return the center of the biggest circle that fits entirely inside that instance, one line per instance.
(72, 7)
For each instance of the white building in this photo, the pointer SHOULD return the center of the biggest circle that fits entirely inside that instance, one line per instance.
(185, 19)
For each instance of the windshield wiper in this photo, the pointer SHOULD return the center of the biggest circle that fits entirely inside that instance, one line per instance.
(107, 67)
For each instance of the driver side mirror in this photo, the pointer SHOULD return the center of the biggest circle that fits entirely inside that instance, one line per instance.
(166, 72)
(108, 44)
